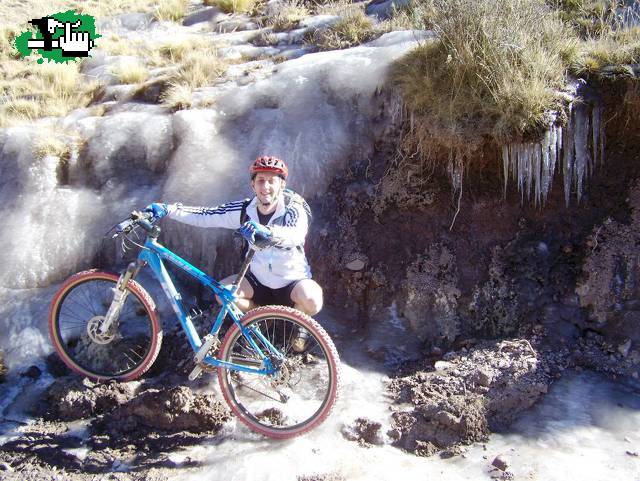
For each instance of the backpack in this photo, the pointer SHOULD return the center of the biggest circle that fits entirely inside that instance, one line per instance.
(289, 196)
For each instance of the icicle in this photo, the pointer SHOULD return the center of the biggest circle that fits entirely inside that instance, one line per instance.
(551, 159)
(529, 170)
(547, 173)
(521, 171)
(535, 167)
(595, 130)
(580, 141)
(567, 159)
(505, 168)
(579, 146)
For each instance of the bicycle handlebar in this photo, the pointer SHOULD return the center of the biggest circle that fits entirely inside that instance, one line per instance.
(142, 219)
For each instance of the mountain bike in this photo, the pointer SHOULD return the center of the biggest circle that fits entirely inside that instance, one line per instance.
(105, 326)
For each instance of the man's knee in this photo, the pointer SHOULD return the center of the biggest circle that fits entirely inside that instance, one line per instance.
(307, 296)
(313, 304)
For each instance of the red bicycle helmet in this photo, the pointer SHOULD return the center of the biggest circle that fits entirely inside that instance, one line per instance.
(268, 163)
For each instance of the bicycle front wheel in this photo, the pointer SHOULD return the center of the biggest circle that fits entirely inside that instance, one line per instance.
(76, 314)
(303, 390)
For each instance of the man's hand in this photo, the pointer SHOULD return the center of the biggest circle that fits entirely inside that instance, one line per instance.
(158, 209)
(250, 228)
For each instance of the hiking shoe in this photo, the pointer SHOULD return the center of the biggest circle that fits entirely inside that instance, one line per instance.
(299, 343)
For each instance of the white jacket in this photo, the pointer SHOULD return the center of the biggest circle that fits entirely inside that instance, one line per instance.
(276, 266)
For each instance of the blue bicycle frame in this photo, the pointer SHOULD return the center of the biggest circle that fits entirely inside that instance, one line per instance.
(153, 254)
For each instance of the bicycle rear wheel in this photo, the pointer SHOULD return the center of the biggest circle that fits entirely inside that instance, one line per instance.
(301, 394)
(76, 313)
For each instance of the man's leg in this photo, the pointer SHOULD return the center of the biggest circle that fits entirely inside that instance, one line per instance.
(245, 293)
(307, 296)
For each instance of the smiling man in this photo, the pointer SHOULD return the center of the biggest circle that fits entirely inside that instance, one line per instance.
(279, 274)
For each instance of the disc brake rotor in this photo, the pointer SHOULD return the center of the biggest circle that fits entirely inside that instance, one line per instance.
(93, 331)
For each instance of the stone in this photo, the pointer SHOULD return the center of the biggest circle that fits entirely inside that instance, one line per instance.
(33, 372)
(624, 348)
(482, 377)
(210, 15)
(383, 9)
(442, 365)
(500, 462)
(355, 265)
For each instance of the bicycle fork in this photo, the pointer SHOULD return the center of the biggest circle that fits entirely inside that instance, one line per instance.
(120, 293)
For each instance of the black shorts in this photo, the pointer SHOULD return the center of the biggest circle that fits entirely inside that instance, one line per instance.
(263, 295)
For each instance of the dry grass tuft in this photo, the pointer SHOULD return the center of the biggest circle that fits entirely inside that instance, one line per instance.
(265, 38)
(178, 97)
(49, 143)
(171, 10)
(287, 16)
(610, 43)
(131, 72)
(31, 90)
(233, 6)
(17, 14)
(199, 70)
(354, 28)
(493, 72)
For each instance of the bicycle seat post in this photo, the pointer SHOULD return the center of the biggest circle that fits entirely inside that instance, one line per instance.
(243, 269)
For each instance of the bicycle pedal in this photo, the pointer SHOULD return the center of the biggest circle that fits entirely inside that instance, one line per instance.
(193, 375)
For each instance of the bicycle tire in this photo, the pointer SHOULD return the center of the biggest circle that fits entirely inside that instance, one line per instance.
(134, 345)
(310, 379)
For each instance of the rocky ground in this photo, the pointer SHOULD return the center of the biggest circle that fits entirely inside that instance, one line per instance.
(438, 405)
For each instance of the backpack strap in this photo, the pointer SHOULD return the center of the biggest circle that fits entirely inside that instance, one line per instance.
(244, 217)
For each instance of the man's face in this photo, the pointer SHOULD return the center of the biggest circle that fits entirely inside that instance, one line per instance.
(267, 187)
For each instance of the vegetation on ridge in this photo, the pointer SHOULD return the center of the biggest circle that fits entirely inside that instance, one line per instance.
(496, 69)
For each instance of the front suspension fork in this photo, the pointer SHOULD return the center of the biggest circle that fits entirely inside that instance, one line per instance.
(120, 293)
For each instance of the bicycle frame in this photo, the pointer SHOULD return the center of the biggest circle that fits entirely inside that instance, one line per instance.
(153, 254)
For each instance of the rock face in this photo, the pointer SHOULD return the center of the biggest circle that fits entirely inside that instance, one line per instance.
(495, 267)
(609, 284)
(469, 394)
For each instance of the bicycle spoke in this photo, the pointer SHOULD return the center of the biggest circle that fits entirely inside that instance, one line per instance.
(125, 347)
(299, 389)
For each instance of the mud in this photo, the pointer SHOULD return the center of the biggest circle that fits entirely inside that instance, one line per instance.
(72, 398)
(84, 427)
(365, 432)
(460, 399)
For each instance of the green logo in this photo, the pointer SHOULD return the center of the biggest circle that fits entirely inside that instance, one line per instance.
(60, 37)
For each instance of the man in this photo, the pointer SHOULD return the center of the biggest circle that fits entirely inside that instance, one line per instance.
(279, 274)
